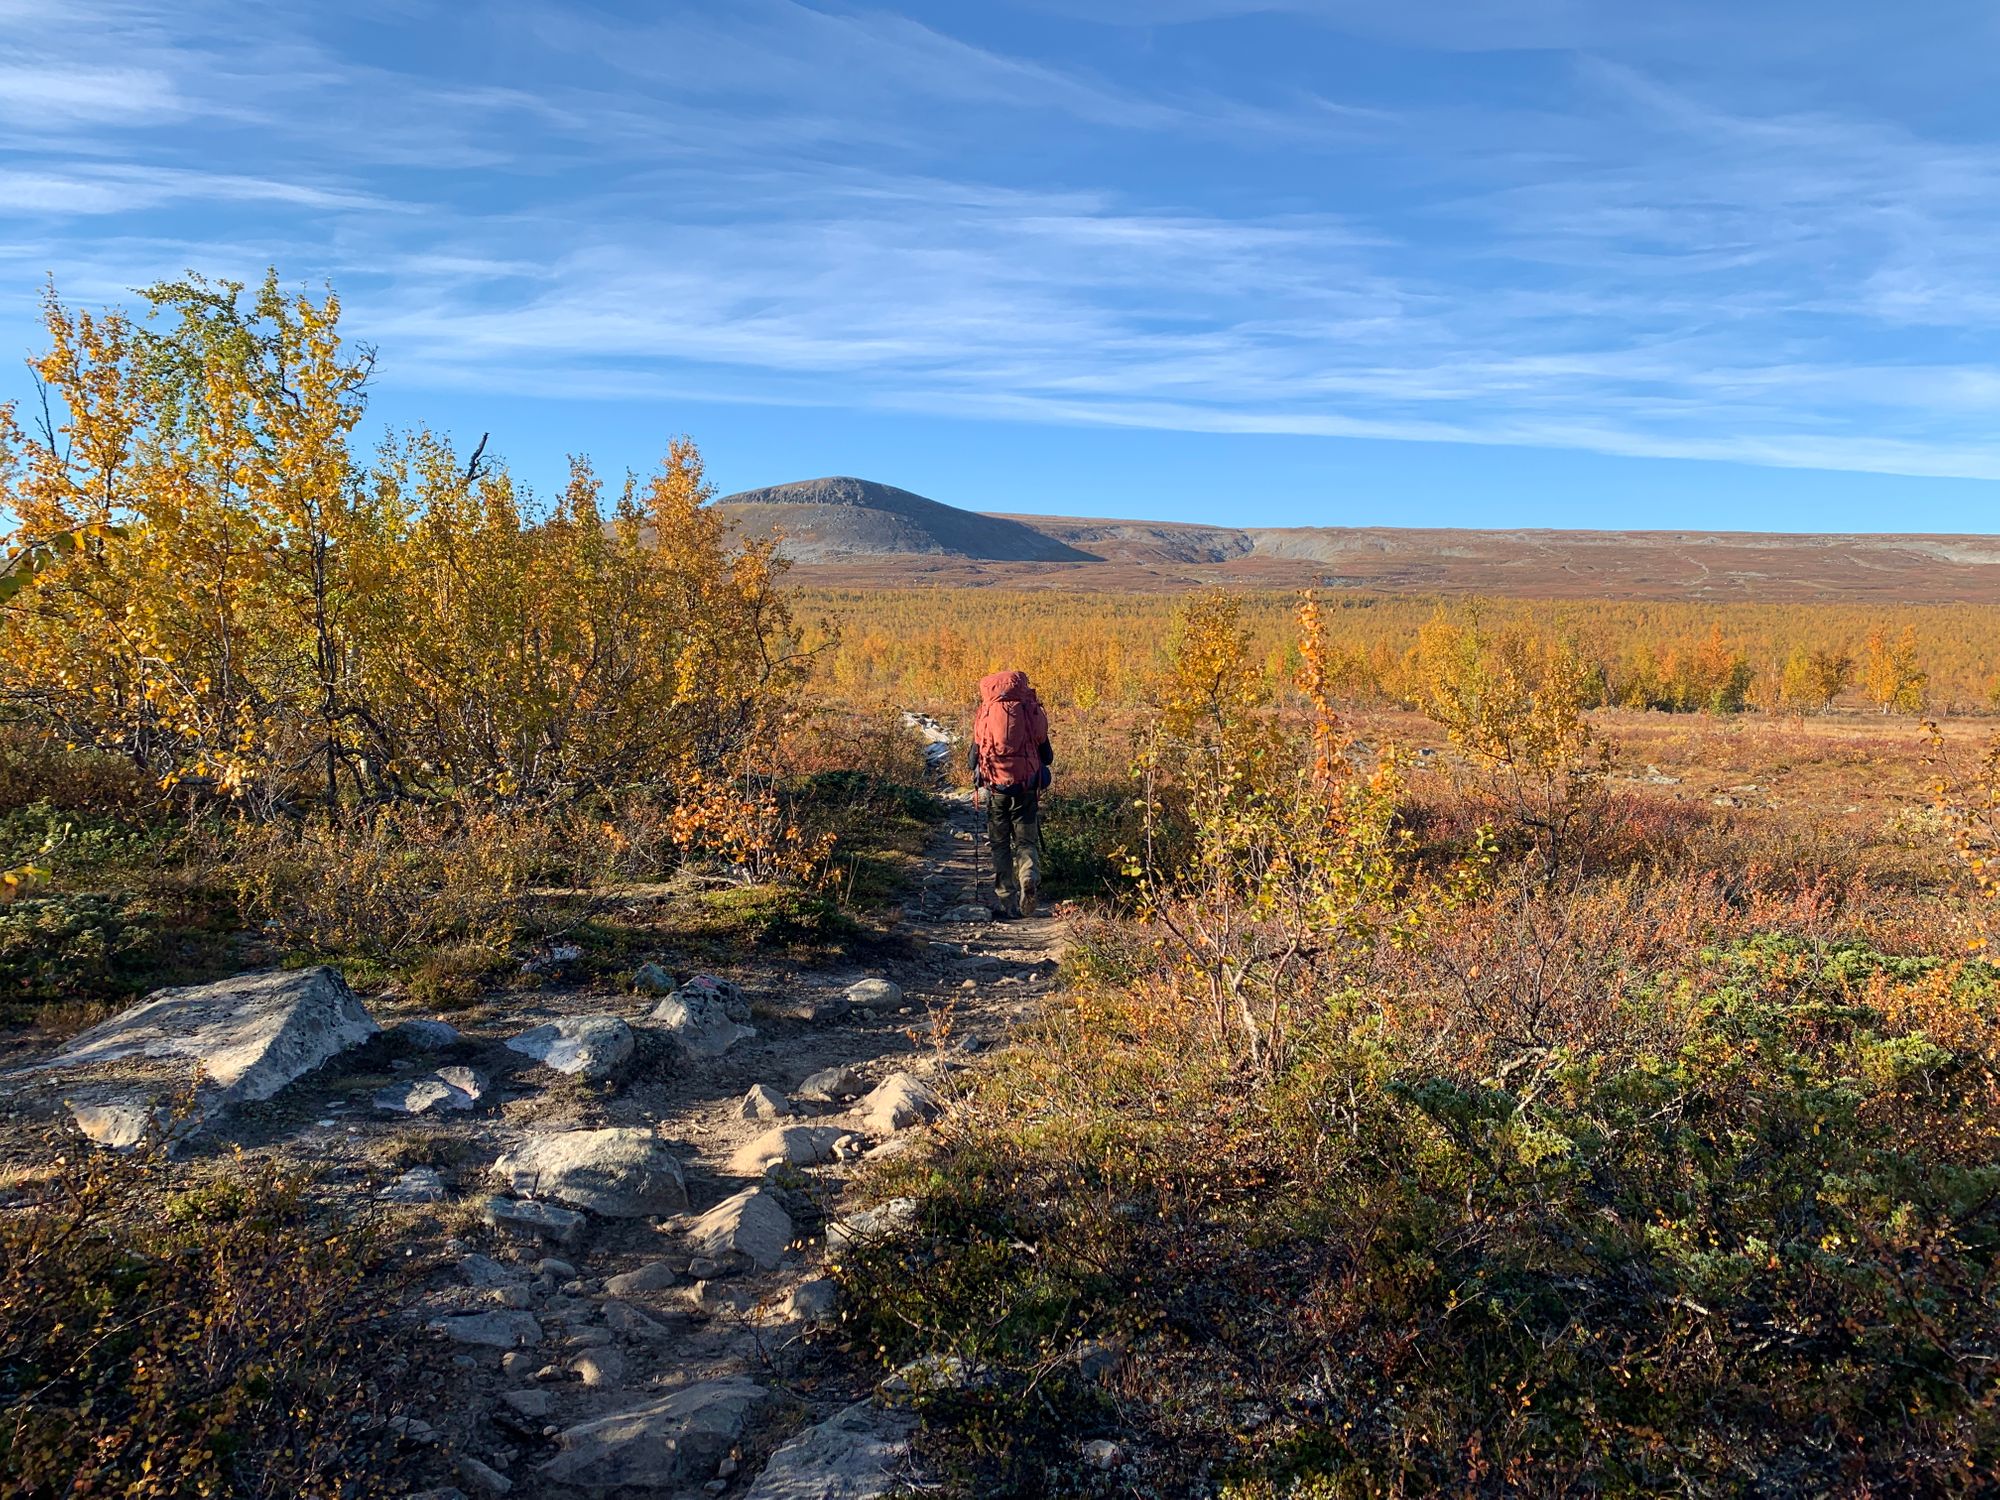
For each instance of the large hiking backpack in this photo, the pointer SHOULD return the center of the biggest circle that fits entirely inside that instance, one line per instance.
(1008, 732)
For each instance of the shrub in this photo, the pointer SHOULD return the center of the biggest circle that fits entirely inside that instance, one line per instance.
(228, 1345)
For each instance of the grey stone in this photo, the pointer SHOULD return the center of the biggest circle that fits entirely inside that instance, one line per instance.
(708, 989)
(484, 1271)
(786, 1145)
(583, 1046)
(447, 1088)
(520, 1294)
(625, 1320)
(249, 1036)
(483, 1476)
(813, 1300)
(698, 1020)
(970, 914)
(651, 979)
(624, 1172)
(1099, 1361)
(898, 1102)
(1102, 1453)
(832, 1085)
(751, 1226)
(418, 1185)
(663, 1445)
(858, 1454)
(764, 1103)
(118, 1124)
(711, 1299)
(869, 1224)
(498, 1329)
(562, 1270)
(533, 1404)
(875, 992)
(521, 1216)
(600, 1369)
(654, 1276)
(425, 1036)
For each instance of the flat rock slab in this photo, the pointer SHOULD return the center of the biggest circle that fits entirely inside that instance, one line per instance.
(860, 1454)
(751, 1226)
(491, 1330)
(584, 1046)
(661, 1446)
(542, 1220)
(248, 1036)
(625, 1172)
(447, 1088)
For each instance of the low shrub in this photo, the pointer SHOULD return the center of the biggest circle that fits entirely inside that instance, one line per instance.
(208, 1340)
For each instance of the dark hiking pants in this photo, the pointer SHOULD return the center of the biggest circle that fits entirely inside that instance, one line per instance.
(1014, 827)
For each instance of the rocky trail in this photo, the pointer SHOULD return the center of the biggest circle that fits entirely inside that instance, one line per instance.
(626, 1200)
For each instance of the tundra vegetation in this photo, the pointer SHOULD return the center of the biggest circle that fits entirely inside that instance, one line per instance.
(1505, 1048)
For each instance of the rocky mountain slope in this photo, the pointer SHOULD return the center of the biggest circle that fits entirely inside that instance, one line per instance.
(852, 532)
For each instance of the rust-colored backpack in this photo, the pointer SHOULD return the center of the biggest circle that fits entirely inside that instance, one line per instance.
(1008, 732)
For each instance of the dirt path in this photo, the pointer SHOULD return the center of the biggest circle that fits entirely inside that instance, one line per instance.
(673, 1355)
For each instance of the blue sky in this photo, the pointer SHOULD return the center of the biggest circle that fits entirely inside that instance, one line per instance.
(1469, 262)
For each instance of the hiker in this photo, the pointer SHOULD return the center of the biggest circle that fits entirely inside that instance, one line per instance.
(1011, 757)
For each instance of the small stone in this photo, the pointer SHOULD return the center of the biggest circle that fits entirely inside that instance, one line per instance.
(523, 1216)
(519, 1366)
(482, 1476)
(628, 1322)
(898, 1102)
(532, 1404)
(813, 1300)
(517, 1295)
(764, 1103)
(583, 1046)
(874, 993)
(418, 1185)
(701, 1268)
(698, 1017)
(118, 1124)
(1098, 1362)
(600, 1369)
(728, 1468)
(711, 1299)
(832, 1085)
(576, 1288)
(968, 914)
(551, 1374)
(1102, 1453)
(484, 1271)
(654, 1276)
(651, 979)
(857, 1454)
(425, 1036)
(490, 1330)
(562, 1270)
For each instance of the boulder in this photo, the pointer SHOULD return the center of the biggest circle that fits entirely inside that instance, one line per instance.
(896, 1103)
(709, 990)
(544, 1220)
(832, 1085)
(663, 1445)
(698, 1018)
(622, 1173)
(499, 1329)
(787, 1145)
(248, 1037)
(858, 1454)
(583, 1046)
(764, 1103)
(752, 1227)
(651, 979)
(876, 994)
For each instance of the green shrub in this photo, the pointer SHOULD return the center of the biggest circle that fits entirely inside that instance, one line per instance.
(70, 948)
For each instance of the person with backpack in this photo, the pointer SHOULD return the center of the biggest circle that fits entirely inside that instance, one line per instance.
(1011, 757)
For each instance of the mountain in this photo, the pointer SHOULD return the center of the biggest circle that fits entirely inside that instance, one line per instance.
(853, 532)
(825, 520)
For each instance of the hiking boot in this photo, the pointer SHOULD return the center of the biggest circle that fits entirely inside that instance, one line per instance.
(1029, 898)
(1008, 911)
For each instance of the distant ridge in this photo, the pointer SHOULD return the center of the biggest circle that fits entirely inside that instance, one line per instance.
(828, 520)
(849, 532)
